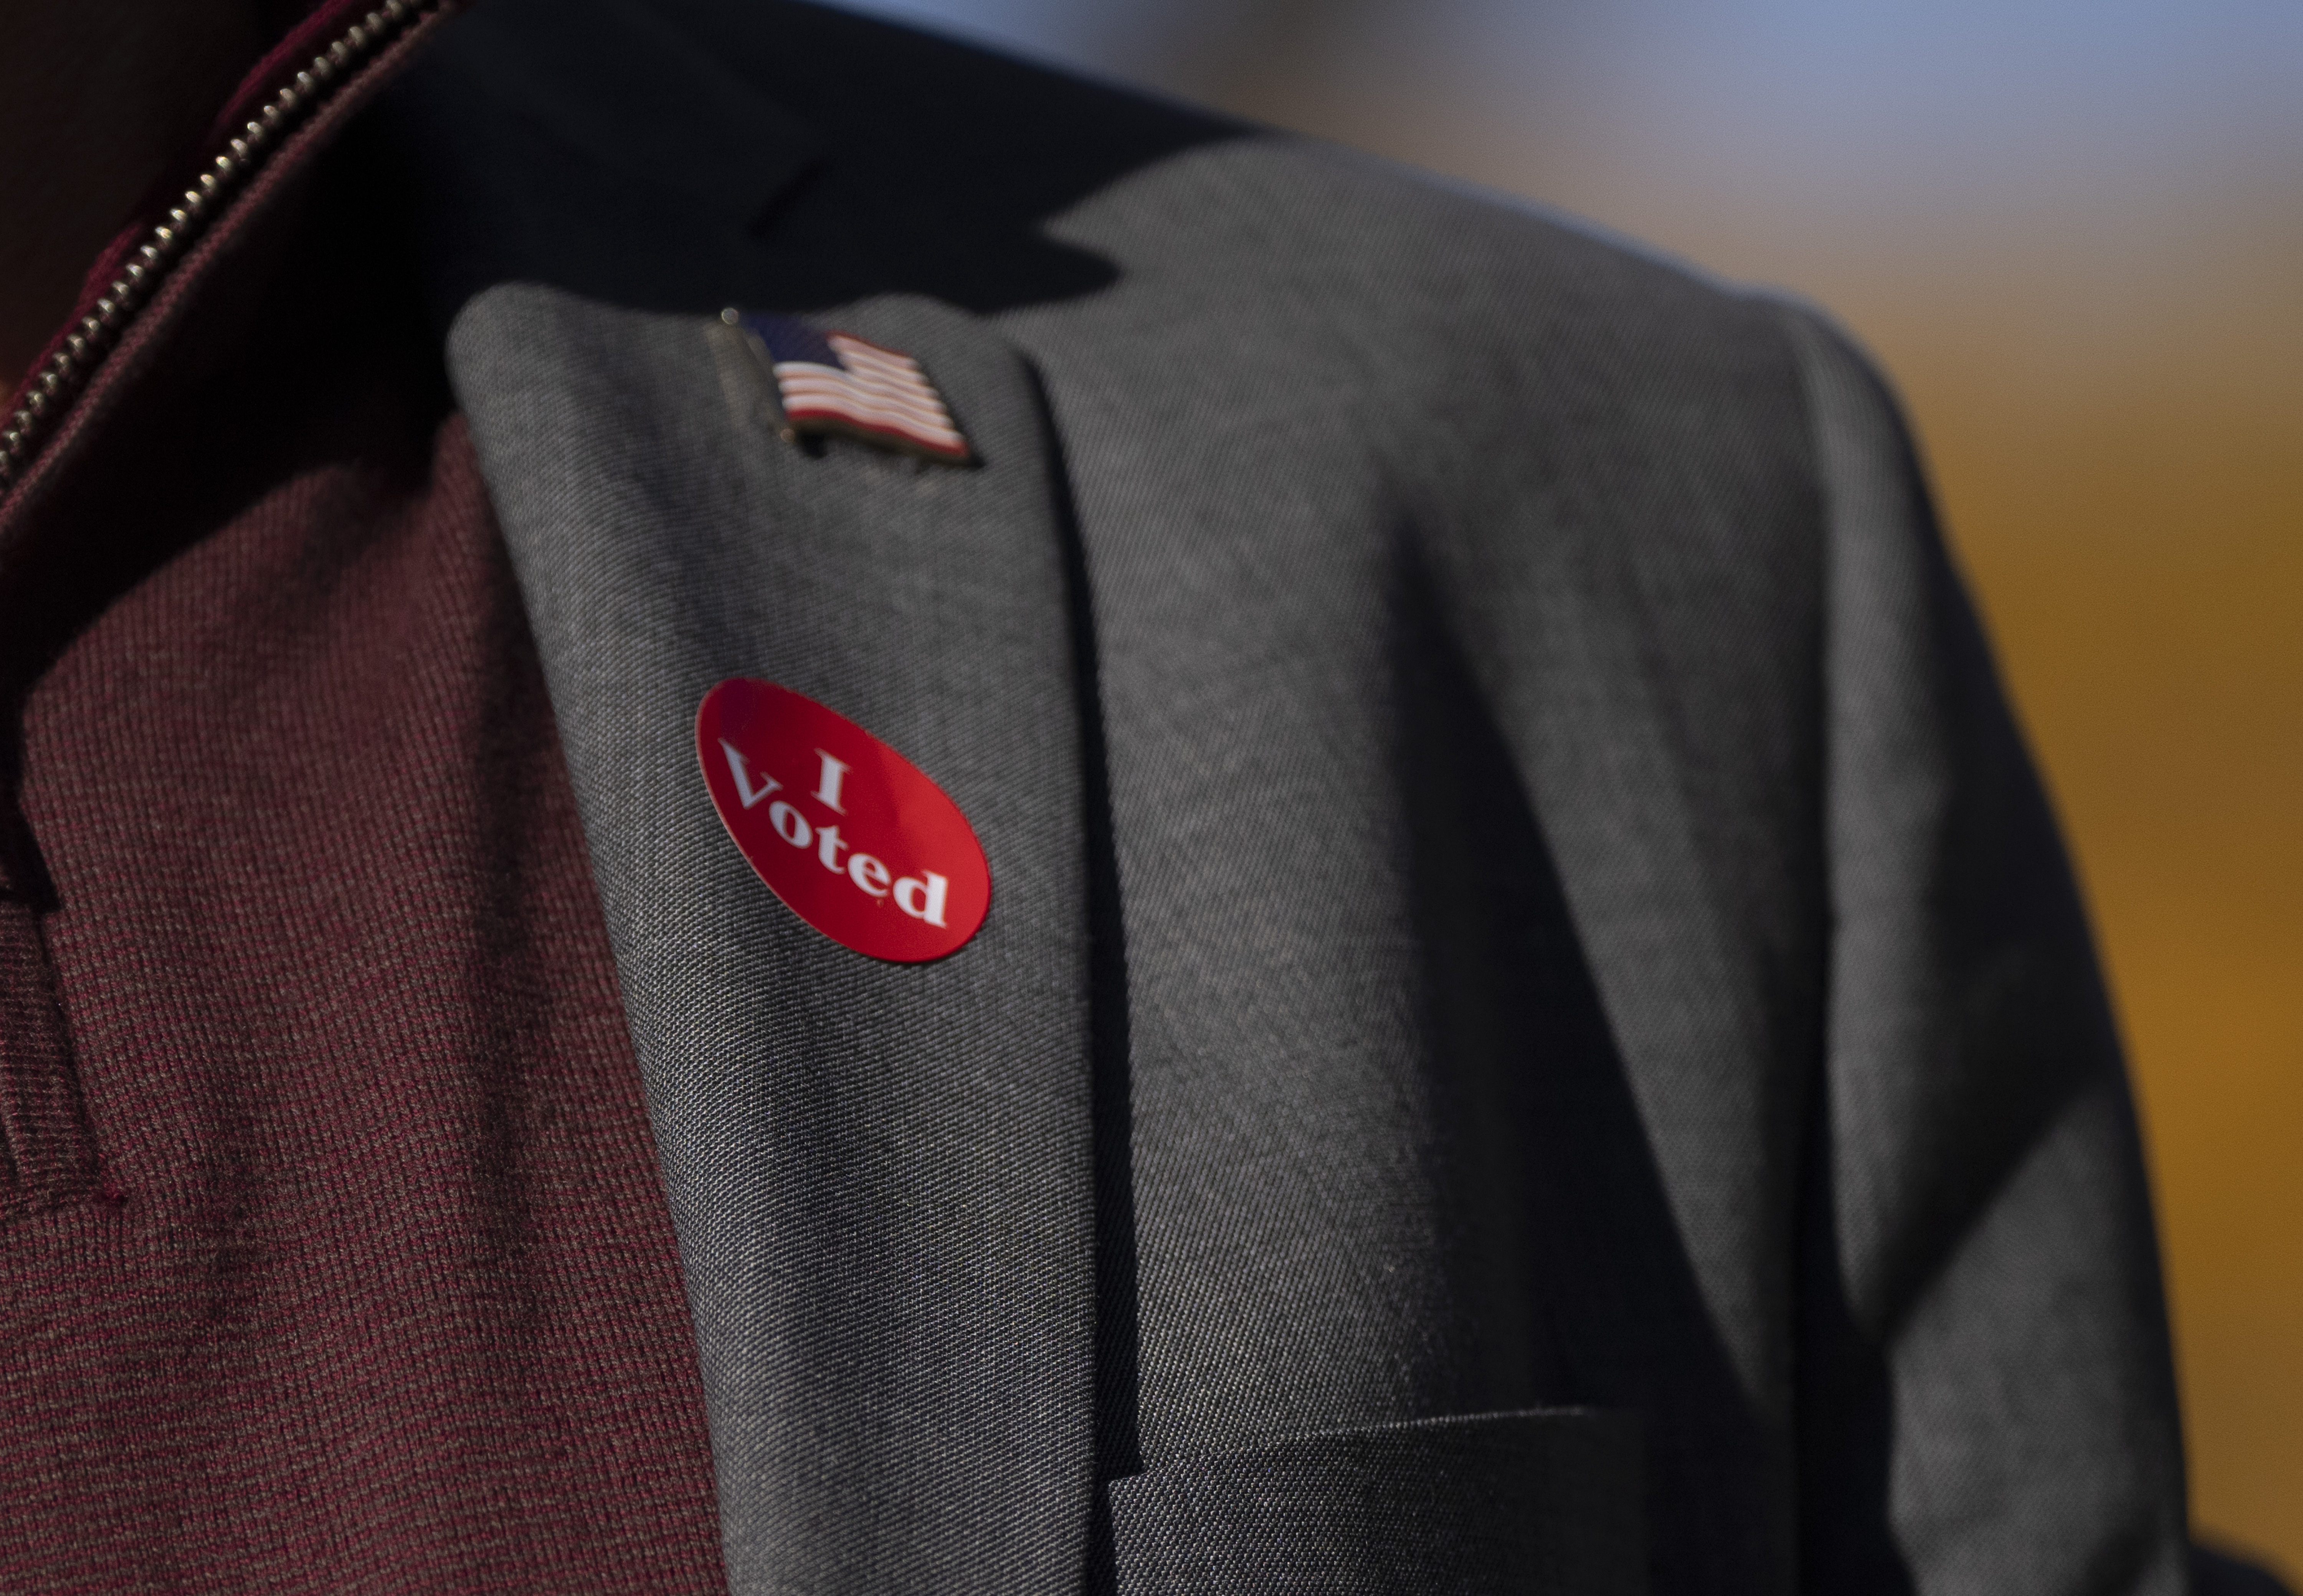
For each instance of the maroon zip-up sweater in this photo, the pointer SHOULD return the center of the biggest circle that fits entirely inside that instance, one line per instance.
(334, 1252)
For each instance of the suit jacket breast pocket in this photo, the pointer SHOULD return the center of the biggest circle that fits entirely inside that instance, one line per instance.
(1541, 1503)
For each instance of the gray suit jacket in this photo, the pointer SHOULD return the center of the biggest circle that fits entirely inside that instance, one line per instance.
(1534, 1032)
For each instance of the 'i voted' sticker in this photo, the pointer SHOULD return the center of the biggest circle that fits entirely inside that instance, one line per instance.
(848, 832)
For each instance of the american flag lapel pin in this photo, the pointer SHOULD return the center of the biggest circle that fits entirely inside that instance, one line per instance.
(835, 382)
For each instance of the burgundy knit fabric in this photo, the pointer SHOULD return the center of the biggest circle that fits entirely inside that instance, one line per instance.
(43, 1137)
(340, 1260)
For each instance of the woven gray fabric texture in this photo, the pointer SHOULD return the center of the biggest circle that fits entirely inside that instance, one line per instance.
(1576, 928)
(878, 1172)
(1990, 1232)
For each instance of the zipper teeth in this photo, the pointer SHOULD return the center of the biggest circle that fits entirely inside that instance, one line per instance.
(49, 395)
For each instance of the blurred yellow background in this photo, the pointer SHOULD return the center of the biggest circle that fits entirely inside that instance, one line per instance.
(2073, 235)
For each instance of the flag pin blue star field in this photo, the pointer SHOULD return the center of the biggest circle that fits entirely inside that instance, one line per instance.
(836, 383)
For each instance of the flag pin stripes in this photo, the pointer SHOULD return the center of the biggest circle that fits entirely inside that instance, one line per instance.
(835, 382)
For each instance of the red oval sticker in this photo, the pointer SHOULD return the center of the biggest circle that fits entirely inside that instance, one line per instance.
(844, 830)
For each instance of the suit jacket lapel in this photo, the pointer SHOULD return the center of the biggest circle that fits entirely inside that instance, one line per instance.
(879, 1173)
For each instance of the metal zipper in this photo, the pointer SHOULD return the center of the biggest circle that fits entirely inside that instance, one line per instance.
(47, 396)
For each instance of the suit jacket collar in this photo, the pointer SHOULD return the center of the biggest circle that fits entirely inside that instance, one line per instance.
(620, 88)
